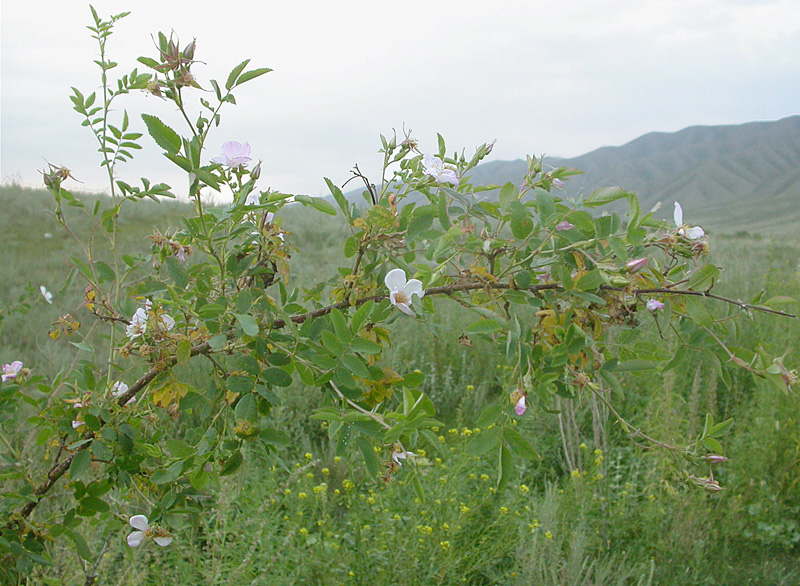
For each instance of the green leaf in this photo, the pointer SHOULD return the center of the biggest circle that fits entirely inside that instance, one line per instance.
(519, 444)
(177, 272)
(355, 365)
(340, 198)
(237, 383)
(591, 281)
(317, 203)
(276, 376)
(234, 74)
(164, 136)
(94, 504)
(246, 408)
(81, 546)
(483, 326)
(506, 467)
(179, 449)
(703, 278)
(521, 221)
(184, 352)
(80, 462)
(232, 464)
(713, 445)
(248, 323)
(171, 474)
(605, 196)
(489, 415)
(635, 365)
(370, 458)
(252, 74)
(483, 442)
(508, 194)
(721, 429)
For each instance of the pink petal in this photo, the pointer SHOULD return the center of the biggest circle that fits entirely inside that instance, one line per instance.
(521, 406)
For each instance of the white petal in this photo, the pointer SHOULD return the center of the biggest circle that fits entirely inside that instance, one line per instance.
(695, 233)
(448, 176)
(395, 279)
(167, 322)
(414, 287)
(405, 308)
(678, 214)
(430, 161)
(139, 522)
(163, 541)
(135, 538)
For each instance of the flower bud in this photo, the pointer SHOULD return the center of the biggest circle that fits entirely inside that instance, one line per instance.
(637, 264)
(188, 52)
(716, 459)
(256, 172)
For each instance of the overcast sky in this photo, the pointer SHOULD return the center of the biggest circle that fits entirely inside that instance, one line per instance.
(559, 77)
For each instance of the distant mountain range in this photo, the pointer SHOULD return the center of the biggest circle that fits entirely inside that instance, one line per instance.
(743, 177)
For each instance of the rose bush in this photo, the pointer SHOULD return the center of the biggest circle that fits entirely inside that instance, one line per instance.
(557, 289)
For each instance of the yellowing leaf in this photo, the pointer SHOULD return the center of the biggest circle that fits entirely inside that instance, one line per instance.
(168, 393)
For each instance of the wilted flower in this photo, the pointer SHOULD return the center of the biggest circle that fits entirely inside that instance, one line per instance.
(154, 87)
(234, 155)
(692, 233)
(654, 304)
(436, 169)
(139, 522)
(400, 290)
(562, 226)
(557, 183)
(46, 294)
(11, 370)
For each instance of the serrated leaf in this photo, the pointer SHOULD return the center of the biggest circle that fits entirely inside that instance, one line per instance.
(234, 74)
(605, 196)
(252, 74)
(164, 136)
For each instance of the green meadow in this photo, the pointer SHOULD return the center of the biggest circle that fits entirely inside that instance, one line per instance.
(593, 509)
